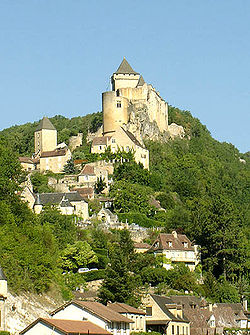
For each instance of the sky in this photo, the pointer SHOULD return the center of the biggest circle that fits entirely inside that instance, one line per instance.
(57, 56)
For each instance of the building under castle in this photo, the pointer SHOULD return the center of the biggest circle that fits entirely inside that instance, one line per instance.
(120, 106)
(48, 155)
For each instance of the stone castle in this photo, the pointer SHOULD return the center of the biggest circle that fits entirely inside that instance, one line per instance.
(132, 111)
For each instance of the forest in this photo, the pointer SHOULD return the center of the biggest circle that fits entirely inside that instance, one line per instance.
(202, 186)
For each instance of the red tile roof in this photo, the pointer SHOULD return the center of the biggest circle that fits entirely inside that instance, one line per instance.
(57, 152)
(162, 242)
(70, 327)
(26, 160)
(88, 170)
(141, 245)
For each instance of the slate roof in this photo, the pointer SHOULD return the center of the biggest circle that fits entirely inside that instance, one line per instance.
(177, 242)
(70, 326)
(45, 124)
(120, 307)
(102, 140)
(2, 275)
(162, 302)
(125, 68)
(98, 309)
(56, 198)
(186, 300)
(132, 138)
(141, 81)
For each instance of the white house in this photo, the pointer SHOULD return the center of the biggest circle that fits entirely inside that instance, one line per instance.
(96, 313)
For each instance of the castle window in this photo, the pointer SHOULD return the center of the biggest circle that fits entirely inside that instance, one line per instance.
(119, 104)
(117, 93)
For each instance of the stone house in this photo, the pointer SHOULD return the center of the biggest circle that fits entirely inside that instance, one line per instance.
(135, 314)
(176, 248)
(95, 312)
(141, 247)
(105, 215)
(44, 326)
(165, 316)
(70, 203)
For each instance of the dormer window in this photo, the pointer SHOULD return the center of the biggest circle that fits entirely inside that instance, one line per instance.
(170, 244)
(185, 244)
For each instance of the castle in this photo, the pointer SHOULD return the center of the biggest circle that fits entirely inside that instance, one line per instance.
(130, 96)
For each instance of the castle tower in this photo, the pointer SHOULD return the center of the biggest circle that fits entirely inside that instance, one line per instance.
(45, 136)
(114, 105)
(3, 297)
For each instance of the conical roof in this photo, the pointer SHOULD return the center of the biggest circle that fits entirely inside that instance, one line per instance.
(45, 124)
(2, 275)
(141, 81)
(125, 68)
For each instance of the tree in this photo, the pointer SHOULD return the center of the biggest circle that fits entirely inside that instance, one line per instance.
(79, 254)
(99, 185)
(69, 167)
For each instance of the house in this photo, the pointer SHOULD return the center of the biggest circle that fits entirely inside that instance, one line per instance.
(90, 175)
(3, 297)
(124, 140)
(85, 192)
(105, 215)
(135, 314)
(176, 248)
(48, 155)
(209, 319)
(44, 326)
(165, 316)
(70, 203)
(95, 312)
(141, 247)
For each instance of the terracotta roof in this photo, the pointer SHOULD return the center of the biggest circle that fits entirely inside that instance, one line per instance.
(70, 327)
(88, 170)
(26, 160)
(53, 153)
(162, 242)
(45, 124)
(141, 245)
(98, 309)
(102, 140)
(120, 307)
(125, 68)
(84, 191)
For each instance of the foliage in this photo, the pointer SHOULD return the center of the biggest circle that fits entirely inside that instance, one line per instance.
(94, 275)
(69, 167)
(99, 185)
(40, 183)
(132, 172)
(74, 256)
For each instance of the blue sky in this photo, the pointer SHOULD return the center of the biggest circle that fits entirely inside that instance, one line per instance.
(56, 57)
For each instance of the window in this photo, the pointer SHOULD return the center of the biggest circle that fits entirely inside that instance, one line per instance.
(100, 147)
(173, 330)
(113, 140)
(119, 104)
(170, 244)
(178, 330)
(117, 93)
(185, 244)
(149, 311)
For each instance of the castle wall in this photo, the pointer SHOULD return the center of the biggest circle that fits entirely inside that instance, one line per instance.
(115, 111)
(54, 163)
(45, 140)
(124, 80)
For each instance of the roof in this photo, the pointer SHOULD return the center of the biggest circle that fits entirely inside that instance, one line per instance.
(98, 309)
(186, 300)
(56, 198)
(45, 124)
(141, 81)
(53, 153)
(132, 137)
(84, 191)
(26, 160)
(88, 170)
(2, 275)
(162, 302)
(70, 326)
(120, 307)
(125, 68)
(162, 242)
(102, 140)
(141, 245)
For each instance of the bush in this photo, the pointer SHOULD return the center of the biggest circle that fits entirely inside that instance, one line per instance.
(94, 275)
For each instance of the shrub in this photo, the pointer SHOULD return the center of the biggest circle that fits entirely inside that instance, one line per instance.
(94, 275)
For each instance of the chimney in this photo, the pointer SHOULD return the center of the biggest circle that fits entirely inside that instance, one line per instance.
(174, 234)
(210, 307)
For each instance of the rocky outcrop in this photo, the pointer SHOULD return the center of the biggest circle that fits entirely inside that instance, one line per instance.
(75, 141)
(176, 131)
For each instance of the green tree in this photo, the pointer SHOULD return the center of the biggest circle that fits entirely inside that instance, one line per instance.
(99, 185)
(69, 167)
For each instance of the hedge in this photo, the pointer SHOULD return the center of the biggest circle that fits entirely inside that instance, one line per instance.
(94, 275)
(140, 219)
